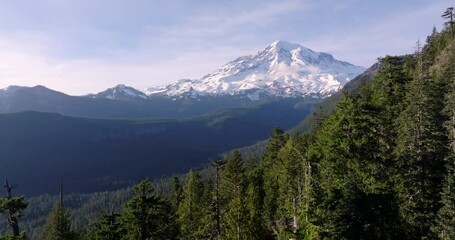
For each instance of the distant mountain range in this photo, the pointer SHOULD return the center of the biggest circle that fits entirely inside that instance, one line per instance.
(115, 103)
(120, 92)
(161, 130)
(282, 70)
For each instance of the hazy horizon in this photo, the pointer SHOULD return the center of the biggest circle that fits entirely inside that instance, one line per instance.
(81, 47)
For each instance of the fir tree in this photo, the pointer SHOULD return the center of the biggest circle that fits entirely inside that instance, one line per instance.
(191, 214)
(146, 215)
(217, 199)
(58, 225)
(449, 15)
(445, 228)
(110, 227)
(420, 150)
(268, 166)
(233, 186)
(294, 184)
(255, 205)
(352, 185)
(13, 207)
(177, 193)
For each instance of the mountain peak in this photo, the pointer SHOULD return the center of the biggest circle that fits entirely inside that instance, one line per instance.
(282, 69)
(120, 92)
(283, 45)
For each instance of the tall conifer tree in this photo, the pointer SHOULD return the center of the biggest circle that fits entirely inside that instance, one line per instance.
(233, 186)
(420, 151)
(268, 165)
(147, 216)
(445, 228)
(191, 208)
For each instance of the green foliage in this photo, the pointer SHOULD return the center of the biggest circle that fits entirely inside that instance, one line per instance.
(352, 178)
(268, 164)
(22, 236)
(389, 84)
(13, 206)
(233, 187)
(449, 14)
(380, 166)
(14, 209)
(445, 228)
(58, 225)
(191, 208)
(84, 209)
(255, 204)
(146, 214)
(294, 185)
(420, 153)
(109, 227)
(177, 193)
(173, 144)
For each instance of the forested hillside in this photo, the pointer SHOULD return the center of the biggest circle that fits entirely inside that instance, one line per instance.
(106, 154)
(380, 166)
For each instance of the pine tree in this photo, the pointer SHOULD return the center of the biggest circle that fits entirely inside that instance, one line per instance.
(209, 211)
(146, 215)
(233, 186)
(420, 151)
(449, 15)
(13, 207)
(110, 227)
(216, 203)
(268, 166)
(445, 228)
(389, 93)
(294, 185)
(58, 225)
(254, 195)
(177, 193)
(191, 209)
(352, 178)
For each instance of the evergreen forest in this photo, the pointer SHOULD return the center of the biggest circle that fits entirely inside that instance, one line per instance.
(379, 165)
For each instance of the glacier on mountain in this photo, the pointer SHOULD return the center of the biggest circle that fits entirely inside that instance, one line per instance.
(282, 69)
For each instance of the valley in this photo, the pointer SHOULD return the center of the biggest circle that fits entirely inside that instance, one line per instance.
(120, 121)
(111, 139)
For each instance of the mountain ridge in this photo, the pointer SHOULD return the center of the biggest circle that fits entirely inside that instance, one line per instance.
(120, 92)
(282, 69)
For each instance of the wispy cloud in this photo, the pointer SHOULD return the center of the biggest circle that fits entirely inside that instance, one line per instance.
(69, 46)
(216, 25)
(26, 64)
(395, 34)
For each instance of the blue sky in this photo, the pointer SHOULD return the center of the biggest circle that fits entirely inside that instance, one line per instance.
(86, 46)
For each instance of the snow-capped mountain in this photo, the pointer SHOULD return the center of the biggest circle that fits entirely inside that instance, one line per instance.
(120, 92)
(282, 69)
